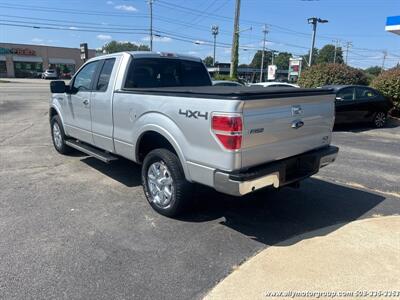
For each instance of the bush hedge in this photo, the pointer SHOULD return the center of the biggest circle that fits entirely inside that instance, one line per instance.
(388, 83)
(325, 74)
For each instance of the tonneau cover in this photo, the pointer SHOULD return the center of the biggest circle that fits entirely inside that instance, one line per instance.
(229, 92)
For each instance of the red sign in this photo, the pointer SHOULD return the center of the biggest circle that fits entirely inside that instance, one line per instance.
(17, 51)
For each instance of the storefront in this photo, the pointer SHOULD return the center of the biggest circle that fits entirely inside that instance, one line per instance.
(27, 66)
(29, 61)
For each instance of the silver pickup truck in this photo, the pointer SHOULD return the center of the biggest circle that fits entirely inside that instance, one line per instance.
(160, 110)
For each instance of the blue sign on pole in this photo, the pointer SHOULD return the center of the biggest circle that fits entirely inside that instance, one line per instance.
(393, 24)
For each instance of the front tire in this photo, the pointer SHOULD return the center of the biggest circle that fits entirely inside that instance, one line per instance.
(58, 136)
(380, 119)
(164, 183)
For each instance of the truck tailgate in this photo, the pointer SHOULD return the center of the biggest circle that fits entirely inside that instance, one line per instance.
(277, 128)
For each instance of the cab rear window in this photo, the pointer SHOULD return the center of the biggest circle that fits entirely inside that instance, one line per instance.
(166, 72)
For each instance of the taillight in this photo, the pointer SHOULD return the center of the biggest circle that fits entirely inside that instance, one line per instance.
(228, 129)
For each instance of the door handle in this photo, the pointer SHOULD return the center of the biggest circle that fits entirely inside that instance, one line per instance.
(86, 101)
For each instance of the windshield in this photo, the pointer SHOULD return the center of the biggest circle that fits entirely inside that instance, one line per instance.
(166, 72)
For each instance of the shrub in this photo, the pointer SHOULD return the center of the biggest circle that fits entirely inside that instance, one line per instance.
(223, 77)
(325, 74)
(388, 83)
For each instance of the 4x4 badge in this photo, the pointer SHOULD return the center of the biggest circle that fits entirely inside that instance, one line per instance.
(193, 114)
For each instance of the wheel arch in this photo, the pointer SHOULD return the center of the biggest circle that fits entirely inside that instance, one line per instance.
(153, 137)
(54, 111)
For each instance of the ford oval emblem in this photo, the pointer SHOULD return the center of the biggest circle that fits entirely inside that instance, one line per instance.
(297, 124)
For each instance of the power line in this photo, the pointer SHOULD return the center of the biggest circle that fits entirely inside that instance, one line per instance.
(69, 29)
(70, 11)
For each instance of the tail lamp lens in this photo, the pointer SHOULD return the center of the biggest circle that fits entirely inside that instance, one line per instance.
(228, 130)
(227, 123)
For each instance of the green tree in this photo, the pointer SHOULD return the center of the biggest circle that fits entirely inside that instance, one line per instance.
(388, 83)
(209, 61)
(327, 54)
(115, 46)
(326, 74)
(256, 61)
(282, 60)
(375, 71)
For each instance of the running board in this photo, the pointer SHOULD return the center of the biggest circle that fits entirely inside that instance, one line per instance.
(92, 151)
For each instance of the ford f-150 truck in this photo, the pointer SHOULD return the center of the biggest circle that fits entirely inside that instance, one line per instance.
(160, 110)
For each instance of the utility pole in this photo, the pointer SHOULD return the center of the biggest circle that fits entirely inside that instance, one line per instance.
(273, 56)
(314, 21)
(348, 45)
(384, 58)
(265, 31)
(235, 42)
(214, 31)
(336, 46)
(151, 24)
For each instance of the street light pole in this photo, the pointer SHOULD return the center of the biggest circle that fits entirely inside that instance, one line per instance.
(214, 31)
(265, 31)
(314, 21)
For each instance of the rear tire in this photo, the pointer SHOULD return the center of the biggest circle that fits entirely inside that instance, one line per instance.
(164, 183)
(58, 136)
(380, 119)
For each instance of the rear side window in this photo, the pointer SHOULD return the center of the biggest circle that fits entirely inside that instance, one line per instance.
(166, 72)
(365, 93)
(105, 74)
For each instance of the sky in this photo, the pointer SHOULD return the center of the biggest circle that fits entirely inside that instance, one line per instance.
(185, 26)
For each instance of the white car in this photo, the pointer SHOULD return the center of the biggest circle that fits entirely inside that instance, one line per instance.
(50, 74)
(270, 84)
(226, 83)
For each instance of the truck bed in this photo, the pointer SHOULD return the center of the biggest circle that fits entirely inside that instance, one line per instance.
(229, 92)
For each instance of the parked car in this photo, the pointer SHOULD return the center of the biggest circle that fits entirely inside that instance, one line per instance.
(269, 84)
(50, 74)
(161, 111)
(226, 83)
(356, 104)
(66, 75)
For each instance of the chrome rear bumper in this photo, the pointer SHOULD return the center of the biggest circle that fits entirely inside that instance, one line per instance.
(276, 174)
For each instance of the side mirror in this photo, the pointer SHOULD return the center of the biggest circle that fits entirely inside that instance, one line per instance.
(58, 87)
(339, 99)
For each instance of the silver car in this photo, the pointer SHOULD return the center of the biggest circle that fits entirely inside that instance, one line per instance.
(50, 74)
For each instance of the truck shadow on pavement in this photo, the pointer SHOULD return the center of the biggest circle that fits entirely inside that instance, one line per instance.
(268, 216)
(272, 216)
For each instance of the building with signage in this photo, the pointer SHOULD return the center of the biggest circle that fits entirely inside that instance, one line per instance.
(20, 60)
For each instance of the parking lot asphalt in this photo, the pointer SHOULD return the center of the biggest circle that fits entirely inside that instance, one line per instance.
(72, 227)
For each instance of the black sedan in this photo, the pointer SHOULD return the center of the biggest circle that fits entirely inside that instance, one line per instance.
(355, 104)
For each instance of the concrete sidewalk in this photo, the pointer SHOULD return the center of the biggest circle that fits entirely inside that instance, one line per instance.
(359, 256)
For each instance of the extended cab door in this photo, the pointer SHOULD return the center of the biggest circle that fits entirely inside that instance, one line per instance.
(76, 109)
(101, 104)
